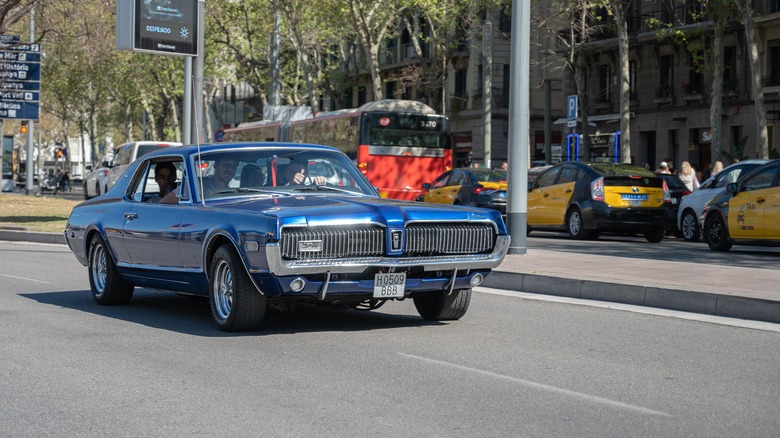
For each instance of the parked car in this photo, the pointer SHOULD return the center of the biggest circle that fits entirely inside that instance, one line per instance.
(677, 190)
(96, 182)
(249, 247)
(747, 212)
(477, 187)
(692, 205)
(127, 153)
(586, 199)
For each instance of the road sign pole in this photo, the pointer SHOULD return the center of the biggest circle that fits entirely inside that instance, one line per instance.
(31, 124)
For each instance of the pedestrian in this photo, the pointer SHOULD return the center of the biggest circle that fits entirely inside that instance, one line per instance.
(688, 176)
(55, 181)
(504, 166)
(716, 168)
(663, 168)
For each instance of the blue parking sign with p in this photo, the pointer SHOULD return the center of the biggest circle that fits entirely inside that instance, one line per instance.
(571, 107)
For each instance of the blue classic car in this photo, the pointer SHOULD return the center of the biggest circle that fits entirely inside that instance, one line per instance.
(253, 224)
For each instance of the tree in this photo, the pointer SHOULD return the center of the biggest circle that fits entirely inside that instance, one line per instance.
(619, 12)
(12, 11)
(745, 8)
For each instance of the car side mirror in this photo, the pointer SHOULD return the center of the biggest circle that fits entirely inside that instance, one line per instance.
(426, 186)
(732, 187)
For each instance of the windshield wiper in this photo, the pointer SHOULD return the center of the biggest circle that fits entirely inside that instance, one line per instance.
(316, 188)
(239, 190)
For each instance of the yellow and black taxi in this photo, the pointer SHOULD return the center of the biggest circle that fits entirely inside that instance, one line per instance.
(477, 187)
(586, 199)
(747, 212)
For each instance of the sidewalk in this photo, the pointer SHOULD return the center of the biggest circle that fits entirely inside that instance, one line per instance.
(736, 292)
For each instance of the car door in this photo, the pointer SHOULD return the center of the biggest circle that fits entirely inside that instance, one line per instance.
(152, 230)
(561, 195)
(748, 208)
(538, 208)
(439, 189)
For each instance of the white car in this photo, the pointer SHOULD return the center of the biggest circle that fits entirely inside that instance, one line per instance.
(692, 205)
(96, 181)
(127, 153)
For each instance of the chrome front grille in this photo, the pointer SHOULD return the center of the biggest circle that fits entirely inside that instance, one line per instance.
(334, 242)
(449, 238)
(356, 241)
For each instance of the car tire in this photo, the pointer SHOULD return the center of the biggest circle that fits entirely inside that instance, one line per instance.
(107, 286)
(236, 304)
(442, 305)
(655, 235)
(575, 226)
(86, 193)
(689, 226)
(716, 233)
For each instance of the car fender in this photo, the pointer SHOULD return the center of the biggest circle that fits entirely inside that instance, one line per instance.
(218, 236)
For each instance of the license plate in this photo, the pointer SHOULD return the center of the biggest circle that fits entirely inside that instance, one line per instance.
(674, 200)
(633, 197)
(389, 284)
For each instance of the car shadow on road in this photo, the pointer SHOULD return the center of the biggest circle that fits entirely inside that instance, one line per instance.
(192, 315)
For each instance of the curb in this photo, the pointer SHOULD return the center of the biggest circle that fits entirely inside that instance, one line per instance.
(673, 299)
(33, 236)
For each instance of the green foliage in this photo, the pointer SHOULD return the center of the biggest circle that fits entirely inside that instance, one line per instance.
(737, 152)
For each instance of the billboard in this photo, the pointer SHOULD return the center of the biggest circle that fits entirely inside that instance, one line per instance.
(167, 27)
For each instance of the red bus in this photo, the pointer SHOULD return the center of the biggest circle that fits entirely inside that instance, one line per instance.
(397, 144)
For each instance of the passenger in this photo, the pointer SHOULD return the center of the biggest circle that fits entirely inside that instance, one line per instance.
(224, 171)
(297, 174)
(716, 168)
(252, 176)
(504, 166)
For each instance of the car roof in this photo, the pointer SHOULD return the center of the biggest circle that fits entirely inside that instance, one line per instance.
(611, 169)
(189, 150)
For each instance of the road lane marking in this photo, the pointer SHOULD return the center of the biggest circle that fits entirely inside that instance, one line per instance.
(24, 278)
(544, 387)
(701, 317)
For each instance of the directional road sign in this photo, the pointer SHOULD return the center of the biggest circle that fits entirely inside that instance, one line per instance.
(20, 78)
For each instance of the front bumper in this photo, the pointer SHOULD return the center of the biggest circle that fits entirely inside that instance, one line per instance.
(278, 266)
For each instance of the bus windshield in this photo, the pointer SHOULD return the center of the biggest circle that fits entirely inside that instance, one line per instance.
(404, 130)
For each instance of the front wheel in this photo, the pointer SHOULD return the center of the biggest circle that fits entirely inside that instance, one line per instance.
(689, 226)
(236, 305)
(443, 306)
(575, 226)
(104, 280)
(716, 233)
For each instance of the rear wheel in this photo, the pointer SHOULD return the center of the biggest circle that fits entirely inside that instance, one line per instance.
(443, 306)
(716, 233)
(689, 226)
(236, 305)
(104, 280)
(575, 226)
(655, 235)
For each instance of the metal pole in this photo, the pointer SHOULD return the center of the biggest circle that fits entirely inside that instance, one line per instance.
(487, 95)
(198, 127)
(30, 126)
(547, 120)
(186, 115)
(517, 214)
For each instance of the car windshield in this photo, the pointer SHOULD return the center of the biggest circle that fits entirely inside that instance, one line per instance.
(271, 172)
(490, 175)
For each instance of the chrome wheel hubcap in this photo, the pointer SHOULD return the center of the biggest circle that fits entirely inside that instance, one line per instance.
(223, 289)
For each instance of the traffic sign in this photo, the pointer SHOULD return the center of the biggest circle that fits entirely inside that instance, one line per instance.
(571, 123)
(20, 76)
(19, 110)
(571, 107)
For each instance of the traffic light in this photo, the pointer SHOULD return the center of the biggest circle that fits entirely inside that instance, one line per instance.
(23, 128)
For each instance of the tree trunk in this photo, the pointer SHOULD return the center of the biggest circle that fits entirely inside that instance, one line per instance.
(716, 105)
(625, 85)
(762, 140)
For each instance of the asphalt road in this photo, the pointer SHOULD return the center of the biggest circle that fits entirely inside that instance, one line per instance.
(511, 367)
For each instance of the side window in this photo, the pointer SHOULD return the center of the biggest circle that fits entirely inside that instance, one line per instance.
(147, 187)
(122, 156)
(762, 180)
(441, 181)
(457, 179)
(568, 174)
(141, 182)
(547, 178)
(727, 177)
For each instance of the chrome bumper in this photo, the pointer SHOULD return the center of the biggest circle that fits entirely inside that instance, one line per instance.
(277, 266)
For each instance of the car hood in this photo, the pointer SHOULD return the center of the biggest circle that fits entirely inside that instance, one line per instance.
(314, 210)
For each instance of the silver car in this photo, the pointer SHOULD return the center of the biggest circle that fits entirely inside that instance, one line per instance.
(96, 181)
